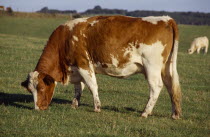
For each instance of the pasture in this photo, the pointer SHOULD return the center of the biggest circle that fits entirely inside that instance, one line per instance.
(21, 43)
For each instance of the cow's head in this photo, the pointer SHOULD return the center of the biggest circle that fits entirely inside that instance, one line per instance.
(42, 87)
(190, 51)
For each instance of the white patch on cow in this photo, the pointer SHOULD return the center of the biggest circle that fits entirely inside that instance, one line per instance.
(173, 64)
(112, 70)
(80, 32)
(87, 75)
(152, 52)
(155, 20)
(91, 66)
(128, 69)
(82, 85)
(74, 22)
(72, 42)
(75, 38)
(173, 69)
(133, 52)
(35, 100)
(84, 35)
(33, 82)
(115, 62)
(87, 55)
(67, 81)
(94, 22)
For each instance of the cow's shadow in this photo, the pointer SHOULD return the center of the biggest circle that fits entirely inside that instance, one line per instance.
(17, 100)
(14, 100)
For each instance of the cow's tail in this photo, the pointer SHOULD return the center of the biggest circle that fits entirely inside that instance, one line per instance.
(174, 86)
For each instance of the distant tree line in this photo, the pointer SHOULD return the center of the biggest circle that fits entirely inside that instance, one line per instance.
(99, 10)
(53, 11)
(192, 18)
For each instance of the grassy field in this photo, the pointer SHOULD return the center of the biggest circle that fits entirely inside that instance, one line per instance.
(21, 43)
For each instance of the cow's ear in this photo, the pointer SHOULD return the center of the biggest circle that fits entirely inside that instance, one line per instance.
(25, 84)
(48, 80)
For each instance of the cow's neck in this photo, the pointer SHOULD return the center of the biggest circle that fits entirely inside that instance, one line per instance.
(53, 60)
(49, 63)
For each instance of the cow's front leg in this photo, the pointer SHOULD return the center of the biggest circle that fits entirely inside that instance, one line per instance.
(198, 50)
(90, 80)
(78, 88)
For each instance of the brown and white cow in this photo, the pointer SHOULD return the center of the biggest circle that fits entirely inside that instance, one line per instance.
(117, 46)
(198, 44)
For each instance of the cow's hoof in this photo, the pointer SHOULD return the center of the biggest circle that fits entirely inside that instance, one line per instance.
(97, 109)
(144, 115)
(75, 103)
(175, 117)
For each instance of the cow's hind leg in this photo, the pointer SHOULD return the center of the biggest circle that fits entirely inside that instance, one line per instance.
(172, 84)
(206, 49)
(155, 85)
(78, 88)
(90, 80)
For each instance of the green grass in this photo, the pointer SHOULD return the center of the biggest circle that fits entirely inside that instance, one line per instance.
(21, 44)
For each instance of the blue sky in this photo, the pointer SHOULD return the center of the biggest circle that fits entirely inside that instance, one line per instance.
(130, 5)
